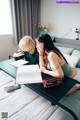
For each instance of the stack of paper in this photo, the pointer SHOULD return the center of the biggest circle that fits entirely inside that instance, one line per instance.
(19, 62)
(28, 74)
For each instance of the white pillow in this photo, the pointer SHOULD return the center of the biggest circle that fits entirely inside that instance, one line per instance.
(77, 54)
(72, 60)
(65, 50)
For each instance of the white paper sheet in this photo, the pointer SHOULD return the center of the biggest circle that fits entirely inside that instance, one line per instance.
(28, 74)
(19, 63)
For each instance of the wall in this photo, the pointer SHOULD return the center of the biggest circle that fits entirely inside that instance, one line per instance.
(63, 18)
(7, 48)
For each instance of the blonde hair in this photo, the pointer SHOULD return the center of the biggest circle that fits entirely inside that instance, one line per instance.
(26, 43)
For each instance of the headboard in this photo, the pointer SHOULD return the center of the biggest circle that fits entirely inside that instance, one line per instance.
(67, 42)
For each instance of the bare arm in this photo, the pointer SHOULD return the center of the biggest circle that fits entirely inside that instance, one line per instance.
(42, 60)
(18, 53)
(55, 66)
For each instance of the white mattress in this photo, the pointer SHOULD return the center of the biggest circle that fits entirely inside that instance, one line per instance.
(25, 104)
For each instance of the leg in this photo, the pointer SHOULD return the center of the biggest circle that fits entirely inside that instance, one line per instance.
(73, 89)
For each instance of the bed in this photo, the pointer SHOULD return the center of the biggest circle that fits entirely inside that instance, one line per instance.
(25, 104)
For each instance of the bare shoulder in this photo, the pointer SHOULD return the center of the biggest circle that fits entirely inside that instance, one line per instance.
(52, 54)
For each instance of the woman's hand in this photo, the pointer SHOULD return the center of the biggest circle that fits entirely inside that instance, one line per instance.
(43, 69)
(40, 47)
(40, 50)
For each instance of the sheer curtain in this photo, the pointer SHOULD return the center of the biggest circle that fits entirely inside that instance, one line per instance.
(25, 14)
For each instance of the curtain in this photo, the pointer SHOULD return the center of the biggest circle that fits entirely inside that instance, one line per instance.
(25, 17)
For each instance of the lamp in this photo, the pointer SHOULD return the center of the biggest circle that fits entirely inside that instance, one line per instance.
(78, 32)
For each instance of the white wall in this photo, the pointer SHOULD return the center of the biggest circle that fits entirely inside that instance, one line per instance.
(63, 18)
(7, 48)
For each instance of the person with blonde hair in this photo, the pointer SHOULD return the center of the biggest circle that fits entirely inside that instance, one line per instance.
(27, 49)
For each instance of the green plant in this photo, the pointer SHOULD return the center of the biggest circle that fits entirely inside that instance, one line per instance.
(44, 28)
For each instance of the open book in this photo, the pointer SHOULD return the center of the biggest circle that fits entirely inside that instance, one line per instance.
(28, 74)
(19, 62)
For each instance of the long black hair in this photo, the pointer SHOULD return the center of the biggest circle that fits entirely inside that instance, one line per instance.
(49, 45)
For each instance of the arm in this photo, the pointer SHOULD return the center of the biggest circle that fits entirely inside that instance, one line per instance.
(43, 60)
(18, 55)
(42, 57)
(55, 66)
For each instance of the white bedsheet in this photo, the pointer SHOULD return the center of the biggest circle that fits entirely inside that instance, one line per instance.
(25, 104)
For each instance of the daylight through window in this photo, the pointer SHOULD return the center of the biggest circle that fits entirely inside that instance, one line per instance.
(5, 18)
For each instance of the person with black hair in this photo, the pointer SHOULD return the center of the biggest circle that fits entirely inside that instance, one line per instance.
(52, 61)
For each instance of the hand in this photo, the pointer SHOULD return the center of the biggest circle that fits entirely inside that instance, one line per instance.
(43, 69)
(18, 54)
(40, 50)
(40, 47)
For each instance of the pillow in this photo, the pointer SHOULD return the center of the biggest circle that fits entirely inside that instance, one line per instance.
(72, 60)
(77, 54)
(65, 50)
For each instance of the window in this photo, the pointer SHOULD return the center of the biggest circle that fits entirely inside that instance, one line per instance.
(5, 18)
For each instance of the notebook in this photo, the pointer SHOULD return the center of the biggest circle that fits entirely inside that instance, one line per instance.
(27, 74)
(19, 62)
